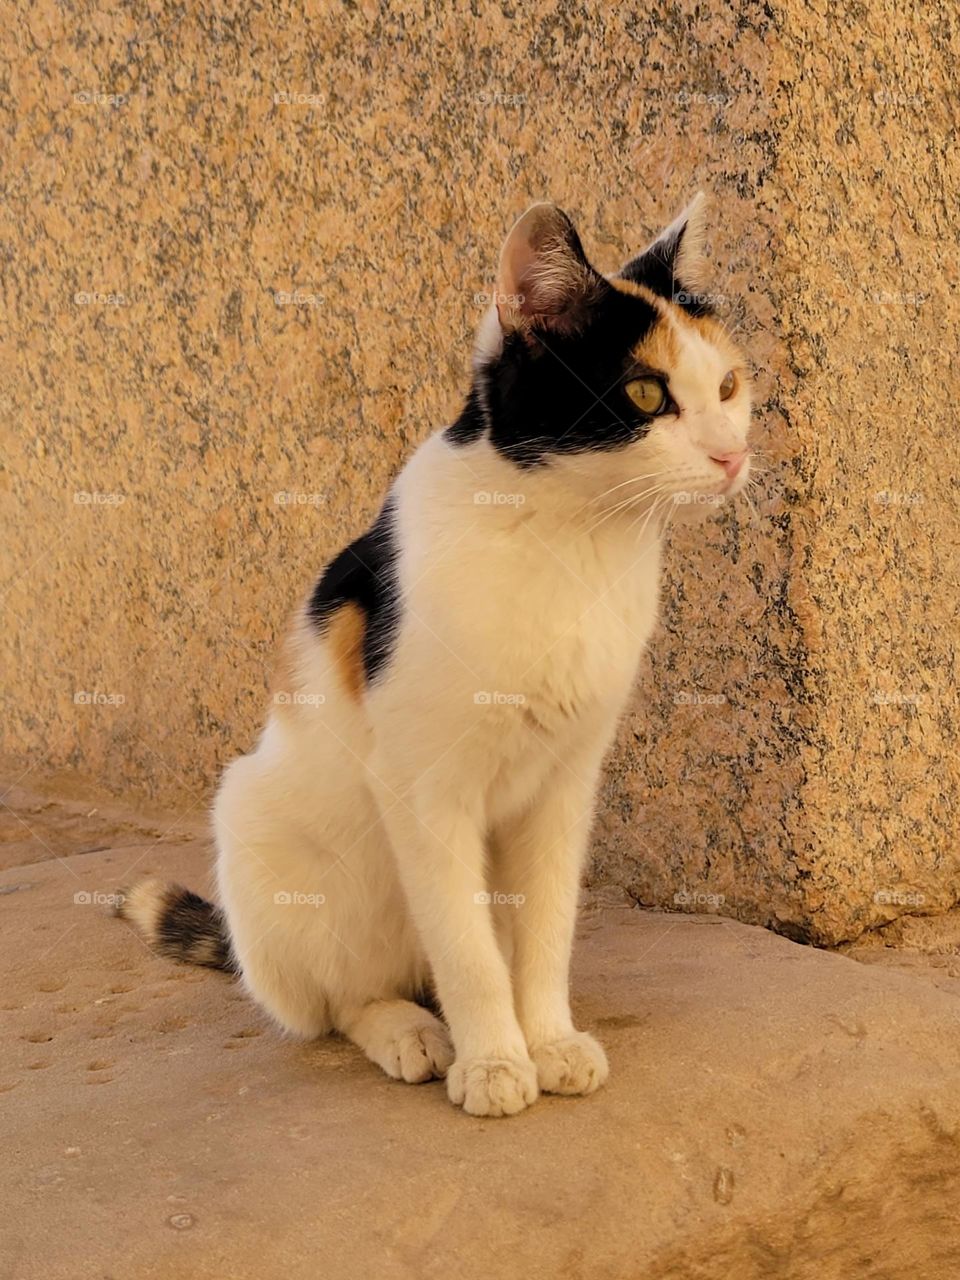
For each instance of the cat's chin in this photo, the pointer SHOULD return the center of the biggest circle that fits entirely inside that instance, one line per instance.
(692, 507)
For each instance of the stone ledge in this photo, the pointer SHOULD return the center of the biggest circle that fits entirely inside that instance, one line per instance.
(773, 1111)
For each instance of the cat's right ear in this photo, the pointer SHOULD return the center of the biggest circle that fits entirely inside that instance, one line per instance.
(545, 281)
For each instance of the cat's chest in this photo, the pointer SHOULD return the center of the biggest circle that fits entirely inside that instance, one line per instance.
(579, 648)
(555, 626)
(567, 699)
(593, 662)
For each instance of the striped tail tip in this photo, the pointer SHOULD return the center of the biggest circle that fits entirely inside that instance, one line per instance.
(178, 923)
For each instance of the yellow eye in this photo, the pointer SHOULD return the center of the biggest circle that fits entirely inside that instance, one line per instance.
(728, 386)
(647, 394)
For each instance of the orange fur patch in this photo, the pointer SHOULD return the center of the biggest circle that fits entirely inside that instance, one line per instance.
(659, 348)
(715, 332)
(341, 636)
(636, 291)
(345, 633)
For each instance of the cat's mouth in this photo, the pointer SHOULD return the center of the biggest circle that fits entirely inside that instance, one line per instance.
(718, 488)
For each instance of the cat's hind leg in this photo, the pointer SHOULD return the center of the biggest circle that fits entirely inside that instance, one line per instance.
(266, 885)
(405, 1040)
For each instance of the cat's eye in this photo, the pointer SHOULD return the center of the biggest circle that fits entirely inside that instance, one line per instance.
(728, 386)
(648, 394)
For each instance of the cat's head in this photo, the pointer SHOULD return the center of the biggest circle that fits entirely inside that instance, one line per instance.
(626, 380)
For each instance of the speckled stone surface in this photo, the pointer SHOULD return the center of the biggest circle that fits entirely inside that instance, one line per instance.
(871, 324)
(244, 251)
(156, 1127)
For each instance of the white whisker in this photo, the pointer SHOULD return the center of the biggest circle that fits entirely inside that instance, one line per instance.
(658, 501)
(633, 479)
(623, 483)
(633, 501)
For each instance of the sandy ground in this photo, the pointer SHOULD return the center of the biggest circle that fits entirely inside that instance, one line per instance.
(773, 1110)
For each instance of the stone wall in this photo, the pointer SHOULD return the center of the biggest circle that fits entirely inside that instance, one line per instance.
(244, 253)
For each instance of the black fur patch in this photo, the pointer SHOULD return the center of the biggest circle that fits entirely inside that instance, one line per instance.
(552, 392)
(194, 931)
(364, 574)
(471, 423)
(656, 269)
(427, 998)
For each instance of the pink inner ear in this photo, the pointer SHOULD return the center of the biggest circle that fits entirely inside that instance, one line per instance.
(517, 287)
(543, 275)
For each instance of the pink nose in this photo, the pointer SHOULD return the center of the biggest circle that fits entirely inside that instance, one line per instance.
(731, 462)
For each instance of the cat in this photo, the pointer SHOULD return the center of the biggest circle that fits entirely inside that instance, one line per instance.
(414, 819)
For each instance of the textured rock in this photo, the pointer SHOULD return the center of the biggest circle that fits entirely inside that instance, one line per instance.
(774, 1112)
(871, 325)
(244, 253)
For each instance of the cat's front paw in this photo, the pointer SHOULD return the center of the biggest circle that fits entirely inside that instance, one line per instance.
(492, 1086)
(575, 1063)
(420, 1053)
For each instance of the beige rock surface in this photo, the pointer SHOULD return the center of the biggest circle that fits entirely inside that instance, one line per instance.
(869, 175)
(774, 1112)
(244, 253)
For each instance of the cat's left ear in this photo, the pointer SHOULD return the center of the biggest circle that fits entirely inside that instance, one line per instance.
(674, 263)
(545, 281)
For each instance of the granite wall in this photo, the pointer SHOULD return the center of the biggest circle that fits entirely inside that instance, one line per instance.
(244, 252)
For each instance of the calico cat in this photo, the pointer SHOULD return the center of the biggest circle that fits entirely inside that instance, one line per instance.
(415, 815)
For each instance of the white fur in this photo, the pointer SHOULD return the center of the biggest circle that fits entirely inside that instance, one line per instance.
(142, 905)
(385, 824)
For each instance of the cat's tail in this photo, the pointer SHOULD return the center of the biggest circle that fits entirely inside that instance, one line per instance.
(178, 923)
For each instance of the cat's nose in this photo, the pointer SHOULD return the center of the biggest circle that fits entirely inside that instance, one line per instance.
(731, 462)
